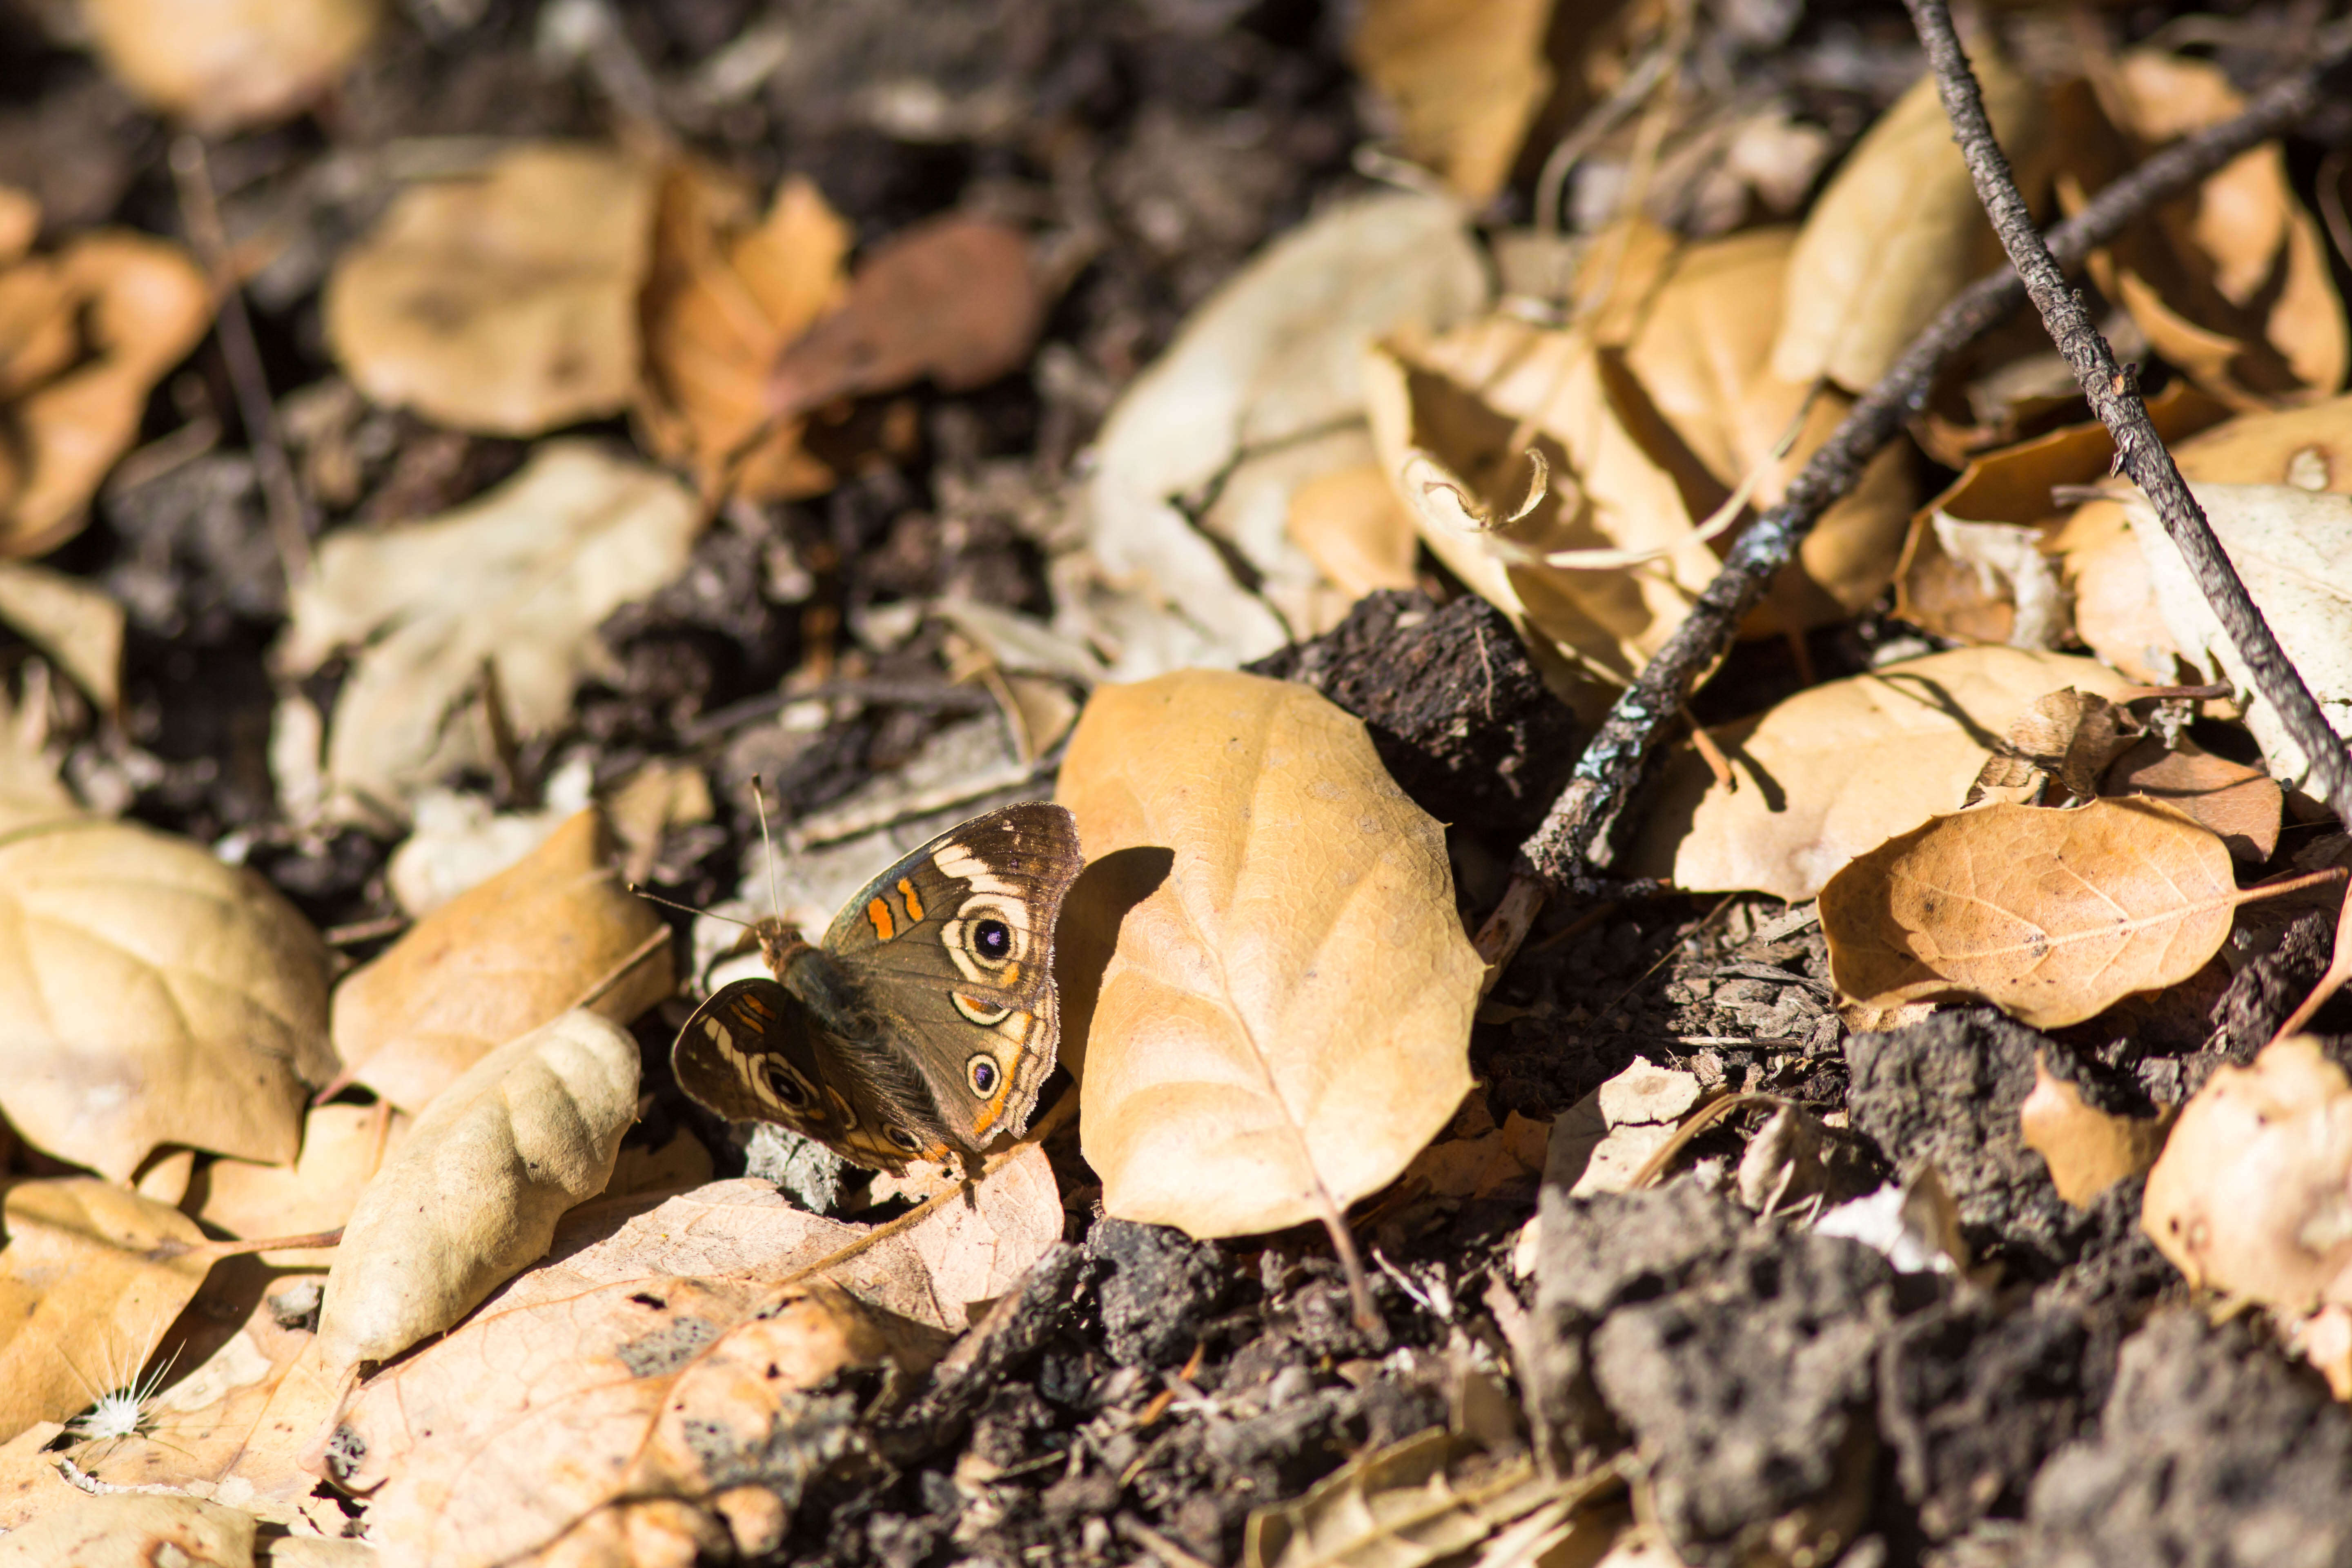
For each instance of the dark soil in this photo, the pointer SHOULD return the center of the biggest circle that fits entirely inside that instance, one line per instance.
(2062, 1405)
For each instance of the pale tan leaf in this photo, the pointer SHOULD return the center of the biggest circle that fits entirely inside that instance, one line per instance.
(343, 1146)
(727, 292)
(2051, 916)
(1286, 1020)
(30, 1484)
(1897, 232)
(138, 1532)
(1843, 767)
(88, 333)
(75, 624)
(150, 994)
(1466, 80)
(473, 1195)
(1352, 525)
(1267, 365)
(2240, 803)
(558, 1421)
(223, 65)
(88, 1286)
(505, 303)
(2087, 1150)
(517, 579)
(498, 960)
(2252, 1194)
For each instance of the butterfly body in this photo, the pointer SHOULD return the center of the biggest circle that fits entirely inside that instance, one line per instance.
(925, 1019)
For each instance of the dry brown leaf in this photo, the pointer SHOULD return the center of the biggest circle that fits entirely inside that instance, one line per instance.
(2253, 1193)
(505, 303)
(150, 994)
(1428, 1499)
(141, 1532)
(2232, 285)
(1352, 525)
(473, 1195)
(2051, 916)
(1600, 1143)
(1285, 1021)
(2066, 737)
(75, 624)
(727, 291)
(343, 1148)
(2240, 803)
(1841, 768)
(2087, 1151)
(223, 65)
(556, 1422)
(500, 960)
(515, 581)
(84, 336)
(2116, 610)
(1702, 353)
(1467, 81)
(30, 1484)
(1897, 232)
(90, 1280)
(954, 300)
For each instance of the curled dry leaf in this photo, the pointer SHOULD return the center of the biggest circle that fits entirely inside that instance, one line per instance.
(1286, 1020)
(505, 303)
(88, 1286)
(1844, 766)
(2051, 916)
(2252, 1194)
(954, 298)
(559, 1422)
(498, 960)
(1253, 399)
(133, 1532)
(84, 336)
(149, 994)
(2240, 803)
(1466, 81)
(76, 625)
(2067, 738)
(2087, 1150)
(2292, 549)
(515, 581)
(223, 65)
(474, 1194)
(2105, 570)
(343, 1146)
(1898, 233)
(728, 290)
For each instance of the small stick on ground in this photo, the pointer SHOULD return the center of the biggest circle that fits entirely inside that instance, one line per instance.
(289, 523)
(1557, 856)
(2114, 396)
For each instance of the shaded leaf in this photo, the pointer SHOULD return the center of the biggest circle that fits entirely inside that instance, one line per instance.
(343, 1146)
(1841, 768)
(517, 580)
(223, 65)
(84, 336)
(88, 1286)
(2087, 1150)
(2051, 916)
(560, 1421)
(150, 994)
(473, 1195)
(498, 960)
(1286, 1020)
(2252, 1194)
(1467, 81)
(505, 303)
(1897, 232)
(2240, 803)
(2067, 738)
(725, 296)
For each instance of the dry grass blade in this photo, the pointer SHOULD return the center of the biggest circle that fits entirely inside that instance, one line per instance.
(1413, 1502)
(2053, 916)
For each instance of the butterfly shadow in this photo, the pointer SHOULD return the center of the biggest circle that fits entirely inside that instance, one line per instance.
(1088, 934)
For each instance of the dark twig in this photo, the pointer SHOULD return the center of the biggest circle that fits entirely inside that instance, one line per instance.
(1557, 855)
(2114, 397)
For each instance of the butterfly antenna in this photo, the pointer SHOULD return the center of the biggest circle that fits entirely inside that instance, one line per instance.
(775, 888)
(688, 908)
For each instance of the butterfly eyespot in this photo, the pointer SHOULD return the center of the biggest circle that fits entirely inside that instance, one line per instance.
(981, 1072)
(903, 1138)
(992, 939)
(784, 1086)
